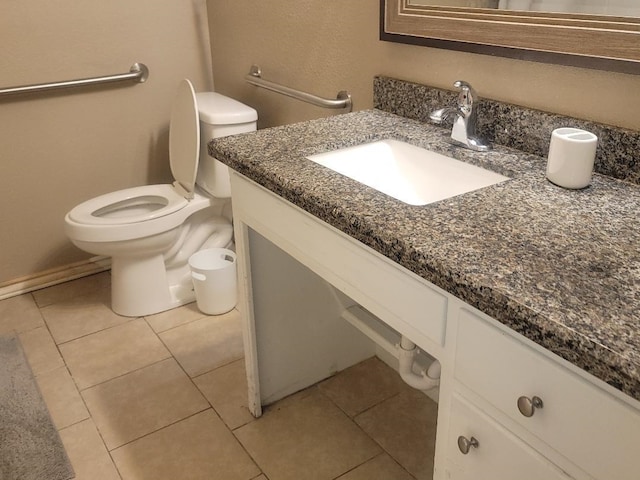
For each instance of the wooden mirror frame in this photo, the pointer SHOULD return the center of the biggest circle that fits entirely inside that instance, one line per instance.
(591, 41)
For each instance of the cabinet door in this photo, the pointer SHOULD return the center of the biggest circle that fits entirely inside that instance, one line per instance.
(499, 454)
(583, 423)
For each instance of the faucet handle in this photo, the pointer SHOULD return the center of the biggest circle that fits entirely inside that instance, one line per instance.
(462, 84)
(466, 97)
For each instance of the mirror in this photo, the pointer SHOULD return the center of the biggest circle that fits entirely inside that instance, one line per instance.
(602, 34)
(622, 8)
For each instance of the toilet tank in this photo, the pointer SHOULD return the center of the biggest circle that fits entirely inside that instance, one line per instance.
(219, 116)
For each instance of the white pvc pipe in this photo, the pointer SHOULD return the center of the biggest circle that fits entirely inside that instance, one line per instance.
(425, 380)
(357, 317)
(405, 351)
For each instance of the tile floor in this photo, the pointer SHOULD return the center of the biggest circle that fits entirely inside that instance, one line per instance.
(164, 397)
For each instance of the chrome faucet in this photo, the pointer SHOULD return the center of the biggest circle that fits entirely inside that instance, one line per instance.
(465, 115)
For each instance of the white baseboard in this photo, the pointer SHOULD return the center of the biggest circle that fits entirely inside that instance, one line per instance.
(54, 276)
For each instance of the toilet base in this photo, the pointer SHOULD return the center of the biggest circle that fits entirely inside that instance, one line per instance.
(139, 287)
(161, 280)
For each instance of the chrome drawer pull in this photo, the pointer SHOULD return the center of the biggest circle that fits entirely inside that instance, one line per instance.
(465, 444)
(527, 406)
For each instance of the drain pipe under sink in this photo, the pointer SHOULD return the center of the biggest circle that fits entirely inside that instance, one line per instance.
(385, 337)
(425, 380)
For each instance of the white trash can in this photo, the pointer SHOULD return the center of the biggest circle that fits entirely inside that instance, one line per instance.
(213, 272)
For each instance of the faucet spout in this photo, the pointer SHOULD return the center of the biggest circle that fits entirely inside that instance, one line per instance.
(465, 115)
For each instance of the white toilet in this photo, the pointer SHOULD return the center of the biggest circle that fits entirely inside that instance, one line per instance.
(151, 231)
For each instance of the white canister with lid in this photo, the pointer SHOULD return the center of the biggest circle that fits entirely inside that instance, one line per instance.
(572, 153)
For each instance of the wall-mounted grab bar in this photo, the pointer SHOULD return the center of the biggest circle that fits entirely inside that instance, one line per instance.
(343, 100)
(138, 73)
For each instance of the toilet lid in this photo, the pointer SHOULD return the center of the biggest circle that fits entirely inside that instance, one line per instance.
(184, 137)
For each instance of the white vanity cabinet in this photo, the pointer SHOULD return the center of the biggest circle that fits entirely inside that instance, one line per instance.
(557, 410)
(576, 427)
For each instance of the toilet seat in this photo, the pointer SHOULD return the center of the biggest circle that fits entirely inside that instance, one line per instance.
(131, 205)
(89, 228)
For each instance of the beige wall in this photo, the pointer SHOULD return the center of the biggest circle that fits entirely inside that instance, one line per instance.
(325, 46)
(58, 150)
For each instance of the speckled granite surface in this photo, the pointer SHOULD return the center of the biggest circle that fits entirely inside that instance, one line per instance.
(519, 127)
(561, 267)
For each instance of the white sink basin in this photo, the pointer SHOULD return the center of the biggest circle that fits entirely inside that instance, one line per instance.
(408, 173)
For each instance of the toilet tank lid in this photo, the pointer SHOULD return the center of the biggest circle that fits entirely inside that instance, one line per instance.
(216, 109)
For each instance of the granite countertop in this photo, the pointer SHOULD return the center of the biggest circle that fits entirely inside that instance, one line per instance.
(561, 267)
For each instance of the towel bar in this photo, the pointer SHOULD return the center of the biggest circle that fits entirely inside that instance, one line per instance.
(138, 73)
(343, 100)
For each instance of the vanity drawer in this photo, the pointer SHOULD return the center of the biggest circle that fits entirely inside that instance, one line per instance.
(499, 454)
(582, 422)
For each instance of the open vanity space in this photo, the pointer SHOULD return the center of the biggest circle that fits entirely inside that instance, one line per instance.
(526, 294)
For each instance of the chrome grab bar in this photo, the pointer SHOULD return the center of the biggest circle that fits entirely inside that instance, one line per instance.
(343, 100)
(138, 73)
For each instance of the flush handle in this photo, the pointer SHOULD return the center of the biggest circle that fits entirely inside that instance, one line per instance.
(465, 444)
(528, 406)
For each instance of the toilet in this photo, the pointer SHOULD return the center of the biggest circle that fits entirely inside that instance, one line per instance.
(151, 231)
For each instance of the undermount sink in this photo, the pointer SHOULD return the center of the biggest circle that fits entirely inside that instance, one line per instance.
(408, 173)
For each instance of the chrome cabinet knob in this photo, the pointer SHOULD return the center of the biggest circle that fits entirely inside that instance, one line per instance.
(527, 406)
(465, 444)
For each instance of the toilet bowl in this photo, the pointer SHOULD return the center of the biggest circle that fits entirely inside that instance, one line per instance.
(151, 231)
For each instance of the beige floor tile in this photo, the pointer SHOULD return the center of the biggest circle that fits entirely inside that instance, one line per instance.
(405, 426)
(142, 402)
(197, 448)
(310, 439)
(19, 314)
(382, 467)
(100, 282)
(62, 398)
(362, 386)
(87, 453)
(226, 390)
(80, 316)
(113, 352)
(207, 343)
(174, 318)
(41, 350)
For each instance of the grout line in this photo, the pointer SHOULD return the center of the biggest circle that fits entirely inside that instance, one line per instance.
(361, 464)
(130, 319)
(255, 461)
(160, 429)
(175, 326)
(121, 375)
